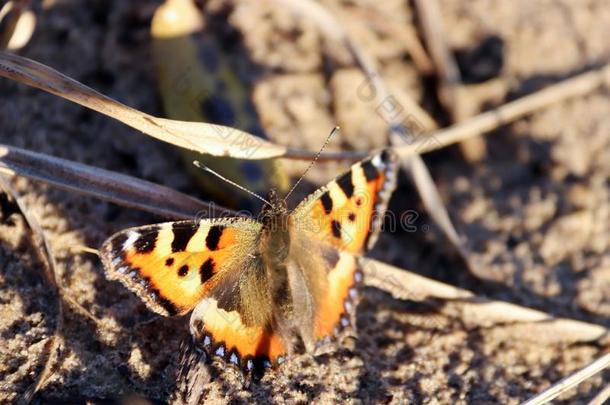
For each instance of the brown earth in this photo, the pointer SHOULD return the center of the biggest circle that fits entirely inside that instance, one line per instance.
(535, 211)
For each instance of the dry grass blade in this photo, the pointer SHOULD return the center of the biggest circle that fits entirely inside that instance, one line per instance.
(404, 34)
(576, 86)
(205, 138)
(110, 186)
(602, 397)
(45, 255)
(450, 81)
(17, 24)
(480, 312)
(570, 381)
(446, 67)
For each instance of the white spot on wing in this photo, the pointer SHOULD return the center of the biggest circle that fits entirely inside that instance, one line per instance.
(132, 236)
(377, 161)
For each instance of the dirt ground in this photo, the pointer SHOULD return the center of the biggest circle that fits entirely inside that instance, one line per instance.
(535, 210)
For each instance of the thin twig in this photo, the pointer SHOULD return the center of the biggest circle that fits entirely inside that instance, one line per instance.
(576, 86)
(450, 81)
(401, 33)
(570, 381)
(415, 143)
(446, 67)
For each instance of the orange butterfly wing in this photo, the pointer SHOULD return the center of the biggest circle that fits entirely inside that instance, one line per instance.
(346, 214)
(209, 264)
(172, 266)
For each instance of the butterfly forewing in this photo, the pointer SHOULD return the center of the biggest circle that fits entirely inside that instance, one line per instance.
(348, 212)
(172, 265)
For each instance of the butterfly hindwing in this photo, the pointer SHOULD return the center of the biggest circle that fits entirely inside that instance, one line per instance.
(224, 332)
(173, 265)
(333, 278)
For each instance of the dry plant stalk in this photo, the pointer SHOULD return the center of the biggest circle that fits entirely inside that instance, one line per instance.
(96, 182)
(570, 381)
(480, 312)
(400, 134)
(450, 81)
(45, 255)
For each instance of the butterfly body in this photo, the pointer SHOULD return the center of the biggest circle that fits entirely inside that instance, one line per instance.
(259, 288)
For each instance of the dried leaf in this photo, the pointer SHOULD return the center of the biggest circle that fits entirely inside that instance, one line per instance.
(480, 312)
(217, 140)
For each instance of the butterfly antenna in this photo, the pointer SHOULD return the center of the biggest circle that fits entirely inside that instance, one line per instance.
(242, 188)
(328, 138)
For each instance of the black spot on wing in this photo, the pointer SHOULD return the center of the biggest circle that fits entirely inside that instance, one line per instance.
(183, 270)
(370, 171)
(351, 217)
(182, 235)
(147, 241)
(385, 156)
(206, 271)
(169, 262)
(346, 184)
(336, 228)
(213, 238)
(327, 202)
(116, 245)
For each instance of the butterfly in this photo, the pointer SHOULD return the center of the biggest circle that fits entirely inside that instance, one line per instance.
(257, 288)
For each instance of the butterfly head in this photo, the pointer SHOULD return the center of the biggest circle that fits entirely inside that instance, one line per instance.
(275, 213)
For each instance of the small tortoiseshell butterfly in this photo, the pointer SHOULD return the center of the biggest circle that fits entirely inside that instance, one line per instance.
(257, 287)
